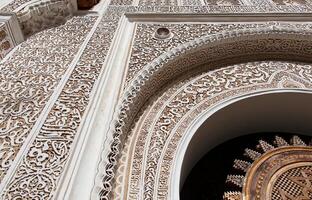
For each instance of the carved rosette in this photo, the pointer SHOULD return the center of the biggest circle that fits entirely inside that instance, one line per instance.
(282, 172)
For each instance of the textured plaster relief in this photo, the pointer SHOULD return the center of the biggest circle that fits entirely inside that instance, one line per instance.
(170, 115)
(191, 2)
(275, 40)
(158, 2)
(41, 168)
(223, 2)
(28, 79)
(147, 47)
(121, 2)
(290, 2)
(264, 6)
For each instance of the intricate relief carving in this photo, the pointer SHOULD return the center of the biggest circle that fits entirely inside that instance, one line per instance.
(290, 2)
(262, 43)
(121, 2)
(146, 47)
(191, 2)
(47, 157)
(261, 6)
(28, 79)
(223, 2)
(158, 2)
(162, 129)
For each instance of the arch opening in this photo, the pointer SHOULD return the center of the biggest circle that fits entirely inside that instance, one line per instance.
(270, 113)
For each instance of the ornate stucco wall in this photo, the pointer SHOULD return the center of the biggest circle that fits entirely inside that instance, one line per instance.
(94, 103)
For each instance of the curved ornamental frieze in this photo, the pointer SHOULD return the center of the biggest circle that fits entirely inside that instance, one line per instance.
(276, 41)
(149, 155)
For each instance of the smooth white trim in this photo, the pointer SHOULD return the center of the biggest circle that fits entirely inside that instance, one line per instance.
(96, 122)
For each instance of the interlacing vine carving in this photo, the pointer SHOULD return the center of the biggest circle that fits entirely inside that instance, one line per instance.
(28, 79)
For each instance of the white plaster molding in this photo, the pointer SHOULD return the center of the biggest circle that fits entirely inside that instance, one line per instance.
(75, 152)
(12, 25)
(81, 173)
(14, 35)
(222, 18)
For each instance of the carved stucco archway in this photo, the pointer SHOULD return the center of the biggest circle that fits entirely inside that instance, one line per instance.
(265, 111)
(276, 42)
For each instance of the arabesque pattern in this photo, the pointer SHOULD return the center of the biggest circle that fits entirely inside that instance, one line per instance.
(29, 78)
(163, 125)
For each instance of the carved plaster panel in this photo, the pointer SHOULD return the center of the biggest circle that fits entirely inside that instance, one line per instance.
(290, 2)
(29, 78)
(223, 2)
(263, 6)
(153, 143)
(158, 2)
(121, 2)
(44, 163)
(146, 47)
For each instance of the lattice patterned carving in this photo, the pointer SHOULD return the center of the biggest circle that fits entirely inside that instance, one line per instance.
(282, 172)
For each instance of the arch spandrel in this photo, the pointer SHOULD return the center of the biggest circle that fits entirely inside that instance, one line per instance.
(275, 42)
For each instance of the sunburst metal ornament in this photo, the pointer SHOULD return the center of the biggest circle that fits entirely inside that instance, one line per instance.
(279, 171)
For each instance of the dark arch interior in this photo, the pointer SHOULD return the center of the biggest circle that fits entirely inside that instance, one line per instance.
(206, 180)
